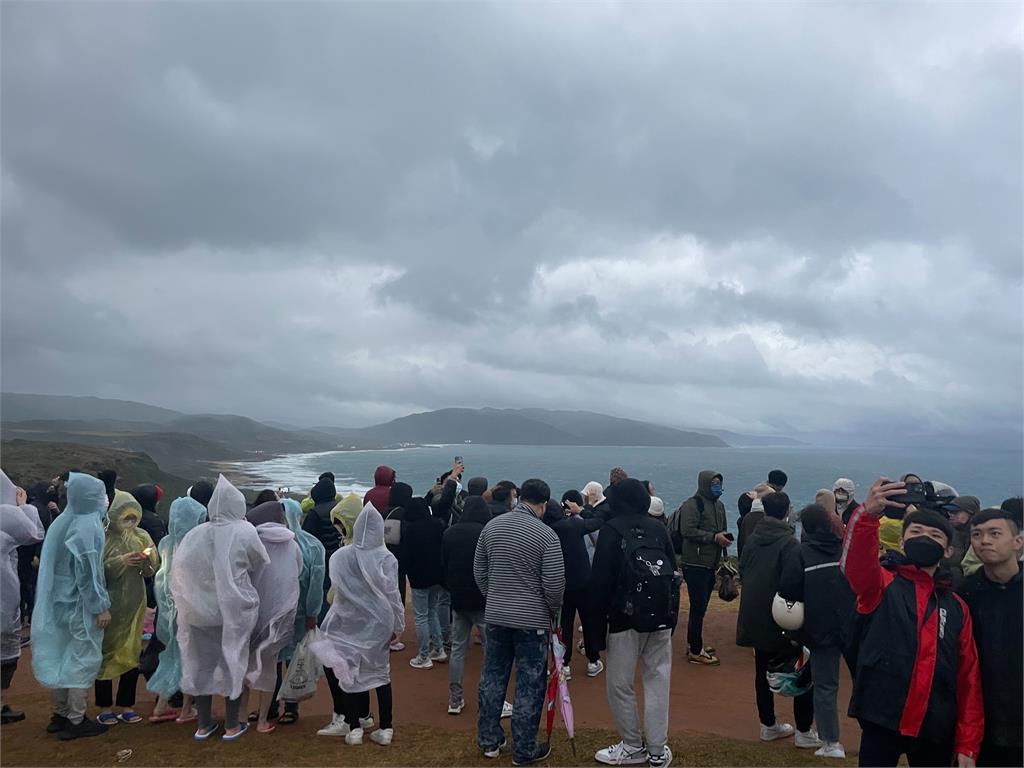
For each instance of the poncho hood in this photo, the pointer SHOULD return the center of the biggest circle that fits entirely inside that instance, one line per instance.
(227, 505)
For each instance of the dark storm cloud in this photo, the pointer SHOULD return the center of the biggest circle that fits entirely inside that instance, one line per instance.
(794, 214)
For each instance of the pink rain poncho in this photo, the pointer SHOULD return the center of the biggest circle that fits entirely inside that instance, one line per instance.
(277, 584)
(366, 611)
(218, 606)
(19, 525)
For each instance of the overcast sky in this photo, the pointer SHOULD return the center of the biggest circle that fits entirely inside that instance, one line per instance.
(762, 217)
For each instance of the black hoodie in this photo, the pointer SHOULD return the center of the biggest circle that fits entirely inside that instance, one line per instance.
(420, 550)
(151, 522)
(458, 548)
(771, 544)
(570, 531)
(812, 576)
(398, 499)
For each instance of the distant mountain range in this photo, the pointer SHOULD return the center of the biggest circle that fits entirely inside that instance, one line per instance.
(184, 443)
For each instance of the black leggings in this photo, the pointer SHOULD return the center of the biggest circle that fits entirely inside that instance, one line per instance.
(357, 705)
(7, 673)
(577, 601)
(125, 690)
(289, 706)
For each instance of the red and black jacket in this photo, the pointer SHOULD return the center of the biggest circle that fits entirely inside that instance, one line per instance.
(917, 666)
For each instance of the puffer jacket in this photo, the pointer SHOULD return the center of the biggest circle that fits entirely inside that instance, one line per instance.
(698, 527)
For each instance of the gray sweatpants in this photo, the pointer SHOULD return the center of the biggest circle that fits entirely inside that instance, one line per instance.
(69, 703)
(654, 652)
(825, 674)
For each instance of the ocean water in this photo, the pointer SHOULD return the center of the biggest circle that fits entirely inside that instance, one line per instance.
(990, 475)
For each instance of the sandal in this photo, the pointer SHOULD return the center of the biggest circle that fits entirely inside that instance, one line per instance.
(129, 716)
(254, 716)
(242, 728)
(187, 717)
(288, 718)
(107, 718)
(202, 735)
(165, 716)
(269, 729)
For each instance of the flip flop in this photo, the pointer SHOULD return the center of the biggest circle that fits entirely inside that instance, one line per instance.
(202, 735)
(241, 732)
(191, 717)
(269, 729)
(288, 718)
(170, 714)
(129, 716)
(108, 719)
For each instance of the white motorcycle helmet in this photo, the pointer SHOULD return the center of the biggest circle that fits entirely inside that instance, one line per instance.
(789, 615)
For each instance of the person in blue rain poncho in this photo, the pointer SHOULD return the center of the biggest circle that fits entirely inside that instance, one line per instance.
(19, 526)
(218, 607)
(186, 513)
(72, 607)
(310, 600)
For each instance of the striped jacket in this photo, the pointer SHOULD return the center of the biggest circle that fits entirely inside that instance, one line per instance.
(519, 570)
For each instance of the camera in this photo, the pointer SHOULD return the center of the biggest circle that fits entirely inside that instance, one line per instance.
(923, 496)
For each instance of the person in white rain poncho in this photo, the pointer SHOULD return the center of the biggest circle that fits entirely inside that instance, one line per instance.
(72, 607)
(186, 514)
(218, 607)
(277, 584)
(19, 525)
(364, 619)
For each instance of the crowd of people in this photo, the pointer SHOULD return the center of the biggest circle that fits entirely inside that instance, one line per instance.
(917, 589)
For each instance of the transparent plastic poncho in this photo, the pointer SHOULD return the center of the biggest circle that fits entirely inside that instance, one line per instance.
(311, 580)
(19, 526)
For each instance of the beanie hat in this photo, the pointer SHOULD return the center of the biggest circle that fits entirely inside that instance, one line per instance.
(657, 508)
(825, 498)
(202, 491)
(757, 505)
(631, 498)
(617, 475)
(930, 518)
(327, 476)
(845, 484)
(969, 504)
(324, 490)
(778, 477)
(476, 486)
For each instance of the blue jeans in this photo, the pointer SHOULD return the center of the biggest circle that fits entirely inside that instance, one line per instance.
(425, 605)
(444, 615)
(462, 630)
(528, 650)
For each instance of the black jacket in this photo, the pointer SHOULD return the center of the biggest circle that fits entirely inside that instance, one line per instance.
(151, 522)
(996, 612)
(608, 566)
(446, 504)
(811, 575)
(318, 522)
(570, 531)
(420, 550)
(760, 571)
(747, 527)
(497, 508)
(458, 548)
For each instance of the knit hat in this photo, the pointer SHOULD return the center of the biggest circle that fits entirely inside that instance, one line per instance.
(825, 498)
(657, 508)
(631, 498)
(930, 518)
(778, 477)
(323, 491)
(969, 504)
(757, 505)
(845, 484)
(617, 475)
(201, 491)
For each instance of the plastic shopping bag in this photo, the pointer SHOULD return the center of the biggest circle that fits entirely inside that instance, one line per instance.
(304, 671)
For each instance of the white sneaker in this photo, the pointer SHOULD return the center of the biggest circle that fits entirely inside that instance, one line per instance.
(621, 754)
(355, 737)
(664, 760)
(421, 662)
(567, 673)
(506, 710)
(831, 749)
(777, 731)
(383, 736)
(337, 727)
(438, 655)
(595, 669)
(808, 739)
(366, 723)
(455, 706)
(398, 646)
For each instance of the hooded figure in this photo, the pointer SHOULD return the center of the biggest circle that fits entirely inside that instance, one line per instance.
(699, 519)
(67, 646)
(383, 479)
(843, 489)
(277, 584)
(148, 495)
(126, 585)
(186, 513)
(19, 526)
(366, 611)
(218, 606)
(344, 515)
(311, 578)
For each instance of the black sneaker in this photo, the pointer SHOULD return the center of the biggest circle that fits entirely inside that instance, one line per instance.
(8, 715)
(541, 752)
(83, 730)
(57, 724)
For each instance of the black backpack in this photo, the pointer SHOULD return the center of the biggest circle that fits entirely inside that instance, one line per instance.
(676, 532)
(648, 589)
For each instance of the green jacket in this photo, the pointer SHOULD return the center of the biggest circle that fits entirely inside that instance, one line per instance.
(697, 522)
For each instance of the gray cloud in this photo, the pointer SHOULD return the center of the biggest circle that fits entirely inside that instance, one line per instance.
(759, 217)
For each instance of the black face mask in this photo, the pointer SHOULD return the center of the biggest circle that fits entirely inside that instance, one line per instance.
(923, 551)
